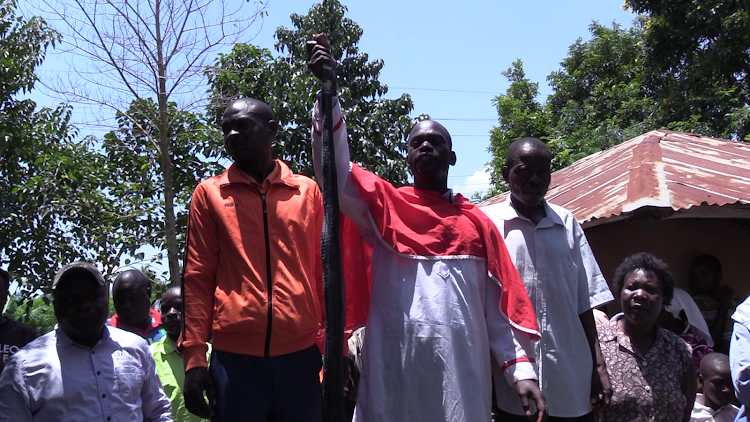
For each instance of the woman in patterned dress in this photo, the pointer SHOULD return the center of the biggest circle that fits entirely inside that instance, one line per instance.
(650, 368)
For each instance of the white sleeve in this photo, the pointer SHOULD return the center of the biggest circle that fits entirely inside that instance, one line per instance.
(14, 397)
(350, 201)
(512, 348)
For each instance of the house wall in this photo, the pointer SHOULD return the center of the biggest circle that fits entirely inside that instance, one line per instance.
(677, 242)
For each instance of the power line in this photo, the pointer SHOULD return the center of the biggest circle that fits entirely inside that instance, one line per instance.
(443, 90)
(466, 119)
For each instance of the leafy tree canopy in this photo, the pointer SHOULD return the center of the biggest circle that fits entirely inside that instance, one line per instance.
(611, 88)
(377, 127)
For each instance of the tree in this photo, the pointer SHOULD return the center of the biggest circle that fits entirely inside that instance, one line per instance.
(31, 234)
(702, 50)
(133, 51)
(135, 184)
(519, 115)
(377, 127)
(609, 89)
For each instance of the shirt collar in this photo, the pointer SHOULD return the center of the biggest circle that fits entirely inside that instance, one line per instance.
(702, 408)
(169, 345)
(155, 323)
(64, 340)
(507, 211)
(624, 341)
(279, 174)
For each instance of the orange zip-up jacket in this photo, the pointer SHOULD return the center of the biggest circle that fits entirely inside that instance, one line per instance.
(252, 265)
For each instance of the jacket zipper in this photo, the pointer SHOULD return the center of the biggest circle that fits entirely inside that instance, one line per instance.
(268, 275)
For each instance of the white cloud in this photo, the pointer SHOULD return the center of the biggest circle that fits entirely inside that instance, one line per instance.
(477, 182)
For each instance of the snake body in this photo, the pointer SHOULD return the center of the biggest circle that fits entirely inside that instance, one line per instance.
(333, 288)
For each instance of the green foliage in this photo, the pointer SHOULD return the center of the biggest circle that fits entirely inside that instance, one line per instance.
(37, 313)
(519, 115)
(135, 182)
(45, 177)
(617, 86)
(377, 127)
(701, 51)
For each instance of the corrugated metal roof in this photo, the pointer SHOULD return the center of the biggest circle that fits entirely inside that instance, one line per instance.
(661, 168)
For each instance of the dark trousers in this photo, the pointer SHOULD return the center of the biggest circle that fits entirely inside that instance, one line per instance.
(501, 416)
(276, 389)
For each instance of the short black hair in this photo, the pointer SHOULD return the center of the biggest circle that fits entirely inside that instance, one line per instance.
(713, 361)
(6, 279)
(647, 262)
(709, 261)
(512, 152)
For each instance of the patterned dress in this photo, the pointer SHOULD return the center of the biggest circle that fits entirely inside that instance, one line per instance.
(646, 388)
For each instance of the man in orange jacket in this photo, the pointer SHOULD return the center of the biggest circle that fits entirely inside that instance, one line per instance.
(252, 278)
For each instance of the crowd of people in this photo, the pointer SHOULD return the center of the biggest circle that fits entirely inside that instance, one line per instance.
(474, 314)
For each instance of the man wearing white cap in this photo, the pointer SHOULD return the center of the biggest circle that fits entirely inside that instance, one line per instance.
(82, 370)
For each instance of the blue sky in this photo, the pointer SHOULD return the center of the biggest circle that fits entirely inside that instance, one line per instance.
(430, 45)
(449, 56)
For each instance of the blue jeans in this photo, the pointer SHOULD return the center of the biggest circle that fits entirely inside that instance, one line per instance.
(275, 389)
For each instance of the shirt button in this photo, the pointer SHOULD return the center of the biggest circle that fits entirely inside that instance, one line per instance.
(648, 388)
(104, 396)
(109, 418)
(98, 372)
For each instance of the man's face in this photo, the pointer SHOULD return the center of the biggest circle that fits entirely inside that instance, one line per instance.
(81, 306)
(132, 300)
(429, 153)
(171, 310)
(248, 132)
(717, 386)
(529, 175)
(703, 278)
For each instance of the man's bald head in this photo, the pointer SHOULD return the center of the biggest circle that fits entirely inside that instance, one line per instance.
(433, 126)
(528, 143)
(250, 105)
(133, 278)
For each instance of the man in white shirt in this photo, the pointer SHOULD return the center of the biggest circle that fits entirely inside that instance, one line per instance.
(82, 370)
(563, 280)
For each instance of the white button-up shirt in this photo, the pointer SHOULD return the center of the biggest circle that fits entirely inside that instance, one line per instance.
(55, 379)
(563, 280)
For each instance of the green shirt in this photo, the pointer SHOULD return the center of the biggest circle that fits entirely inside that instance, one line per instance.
(171, 371)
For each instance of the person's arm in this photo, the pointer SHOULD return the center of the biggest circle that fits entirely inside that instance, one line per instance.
(726, 295)
(351, 202)
(155, 403)
(739, 360)
(593, 291)
(689, 385)
(198, 286)
(14, 397)
(601, 388)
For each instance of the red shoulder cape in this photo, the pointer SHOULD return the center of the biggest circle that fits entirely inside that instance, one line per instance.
(422, 223)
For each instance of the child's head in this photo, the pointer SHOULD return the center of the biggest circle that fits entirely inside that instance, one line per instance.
(716, 379)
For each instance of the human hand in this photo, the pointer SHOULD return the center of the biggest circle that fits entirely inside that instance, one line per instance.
(198, 380)
(319, 56)
(528, 389)
(601, 388)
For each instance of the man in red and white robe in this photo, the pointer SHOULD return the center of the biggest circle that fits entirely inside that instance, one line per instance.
(445, 295)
